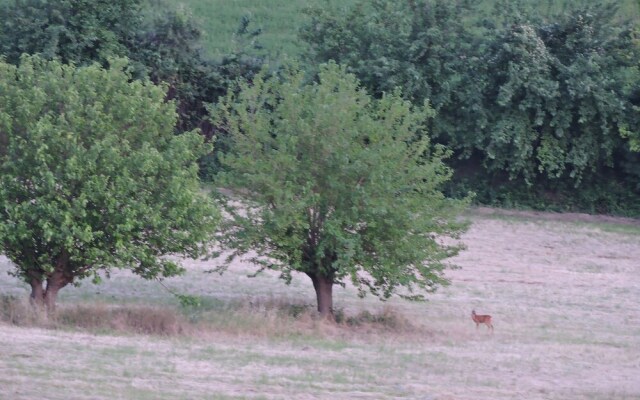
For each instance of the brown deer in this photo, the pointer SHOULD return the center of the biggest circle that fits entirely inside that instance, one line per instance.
(482, 319)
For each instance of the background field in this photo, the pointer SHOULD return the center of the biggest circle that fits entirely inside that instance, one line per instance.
(281, 19)
(564, 295)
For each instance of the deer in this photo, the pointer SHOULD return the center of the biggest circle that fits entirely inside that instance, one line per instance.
(482, 319)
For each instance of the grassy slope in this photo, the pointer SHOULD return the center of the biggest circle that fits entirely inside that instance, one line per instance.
(280, 19)
(564, 299)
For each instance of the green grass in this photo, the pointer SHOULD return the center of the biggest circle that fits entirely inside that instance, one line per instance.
(597, 224)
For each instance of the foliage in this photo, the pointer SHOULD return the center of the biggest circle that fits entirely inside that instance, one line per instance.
(280, 20)
(521, 100)
(163, 43)
(74, 31)
(336, 185)
(421, 47)
(602, 196)
(555, 96)
(634, 140)
(92, 177)
(170, 48)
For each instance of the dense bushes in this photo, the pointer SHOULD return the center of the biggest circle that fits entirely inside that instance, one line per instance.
(533, 107)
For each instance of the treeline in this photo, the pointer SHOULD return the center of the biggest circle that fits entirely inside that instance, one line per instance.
(535, 109)
(539, 111)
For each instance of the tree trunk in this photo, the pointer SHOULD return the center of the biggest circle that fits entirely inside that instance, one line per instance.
(50, 297)
(54, 283)
(324, 294)
(37, 293)
(45, 299)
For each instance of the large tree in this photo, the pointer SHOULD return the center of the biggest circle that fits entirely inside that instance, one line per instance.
(170, 49)
(93, 178)
(336, 185)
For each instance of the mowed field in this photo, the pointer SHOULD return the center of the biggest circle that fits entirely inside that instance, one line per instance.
(564, 295)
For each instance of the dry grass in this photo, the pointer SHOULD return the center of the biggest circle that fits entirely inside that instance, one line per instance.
(564, 298)
(269, 317)
(95, 318)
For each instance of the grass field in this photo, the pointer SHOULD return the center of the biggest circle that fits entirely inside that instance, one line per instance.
(280, 20)
(564, 296)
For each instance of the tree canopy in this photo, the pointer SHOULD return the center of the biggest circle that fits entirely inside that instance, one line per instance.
(555, 95)
(523, 100)
(336, 185)
(422, 47)
(163, 44)
(92, 176)
(74, 31)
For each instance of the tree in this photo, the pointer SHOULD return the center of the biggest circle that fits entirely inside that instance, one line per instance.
(423, 46)
(93, 178)
(631, 131)
(336, 185)
(170, 49)
(556, 93)
(633, 137)
(163, 44)
(74, 31)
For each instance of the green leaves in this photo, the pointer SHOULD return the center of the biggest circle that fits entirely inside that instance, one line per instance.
(523, 101)
(93, 170)
(164, 44)
(416, 46)
(556, 90)
(334, 183)
(70, 30)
